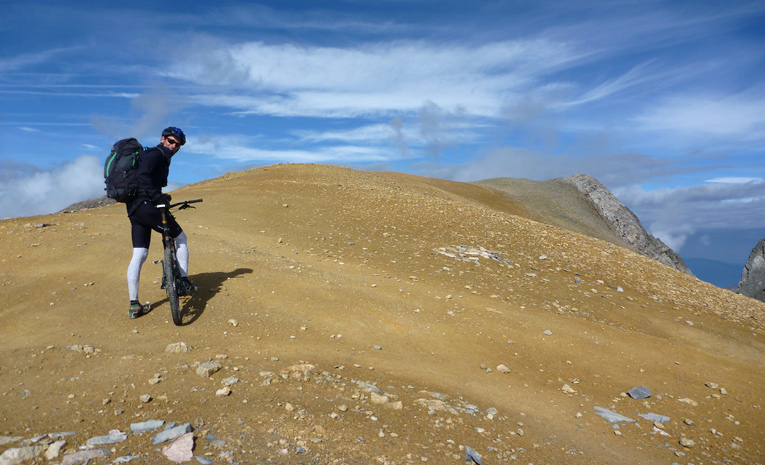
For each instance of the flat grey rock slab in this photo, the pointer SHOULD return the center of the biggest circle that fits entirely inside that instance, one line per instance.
(146, 425)
(654, 417)
(613, 417)
(18, 455)
(9, 439)
(641, 392)
(85, 456)
(112, 438)
(126, 458)
(170, 434)
(472, 456)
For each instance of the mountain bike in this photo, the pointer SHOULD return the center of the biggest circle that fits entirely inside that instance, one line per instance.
(171, 271)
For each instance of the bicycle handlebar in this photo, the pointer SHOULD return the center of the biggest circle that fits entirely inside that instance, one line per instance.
(185, 204)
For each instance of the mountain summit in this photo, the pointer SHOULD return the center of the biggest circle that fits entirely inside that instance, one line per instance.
(581, 203)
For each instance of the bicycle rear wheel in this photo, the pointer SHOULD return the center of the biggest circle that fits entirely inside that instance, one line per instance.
(169, 268)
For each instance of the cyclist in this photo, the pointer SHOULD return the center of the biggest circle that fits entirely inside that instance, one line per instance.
(144, 216)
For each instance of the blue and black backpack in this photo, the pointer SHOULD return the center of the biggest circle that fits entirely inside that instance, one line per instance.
(120, 170)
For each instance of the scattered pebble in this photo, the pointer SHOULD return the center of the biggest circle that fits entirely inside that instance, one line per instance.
(687, 443)
(207, 369)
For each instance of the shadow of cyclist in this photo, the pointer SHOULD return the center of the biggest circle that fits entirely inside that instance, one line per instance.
(208, 284)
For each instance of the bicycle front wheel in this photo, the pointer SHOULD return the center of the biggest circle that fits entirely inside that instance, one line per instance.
(171, 285)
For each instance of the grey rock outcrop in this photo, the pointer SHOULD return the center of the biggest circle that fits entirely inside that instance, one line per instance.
(91, 203)
(752, 282)
(625, 223)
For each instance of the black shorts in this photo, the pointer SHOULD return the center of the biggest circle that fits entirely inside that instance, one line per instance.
(147, 217)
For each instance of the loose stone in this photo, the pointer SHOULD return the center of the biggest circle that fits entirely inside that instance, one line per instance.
(378, 399)
(54, 449)
(146, 426)
(85, 456)
(177, 348)
(687, 443)
(180, 449)
(126, 458)
(567, 389)
(9, 439)
(230, 381)
(641, 392)
(613, 417)
(206, 369)
(654, 417)
(113, 437)
(472, 456)
(171, 434)
(20, 454)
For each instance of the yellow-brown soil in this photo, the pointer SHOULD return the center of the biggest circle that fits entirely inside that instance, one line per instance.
(336, 268)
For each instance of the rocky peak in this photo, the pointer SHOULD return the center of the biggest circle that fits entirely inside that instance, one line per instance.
(752, 282)
(625, 223)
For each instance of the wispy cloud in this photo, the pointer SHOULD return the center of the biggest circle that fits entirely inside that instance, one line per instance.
(736, 180)
(26, 60)
(612, 169)
(369, 134)
(739, 116)
(371, 79)
(239, 149)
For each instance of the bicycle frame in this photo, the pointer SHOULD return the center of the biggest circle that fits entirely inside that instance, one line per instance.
(171, 275)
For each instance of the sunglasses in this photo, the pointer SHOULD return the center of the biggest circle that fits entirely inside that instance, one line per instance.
(172, 141)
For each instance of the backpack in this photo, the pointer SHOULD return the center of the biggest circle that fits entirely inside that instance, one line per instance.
(120, 170)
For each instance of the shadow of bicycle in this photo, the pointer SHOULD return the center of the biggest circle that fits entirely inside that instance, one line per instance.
(208, 284)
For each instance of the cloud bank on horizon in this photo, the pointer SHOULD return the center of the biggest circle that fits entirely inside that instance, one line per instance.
(660, 101)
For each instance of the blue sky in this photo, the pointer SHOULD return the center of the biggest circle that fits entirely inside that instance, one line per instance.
(663, 102)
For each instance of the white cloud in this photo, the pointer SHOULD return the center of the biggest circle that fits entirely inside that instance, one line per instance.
(369, 134)
(673, 214)
(738, 116)
(370, 79)
(674, 237)
(735, 180)
(611, 169)
(42, 192)
(237, 149)
(26, 60)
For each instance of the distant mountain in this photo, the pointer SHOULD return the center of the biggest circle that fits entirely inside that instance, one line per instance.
(580, 203)
(720, 274)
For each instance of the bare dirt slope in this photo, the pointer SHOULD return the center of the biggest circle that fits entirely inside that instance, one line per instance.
(554, 202)
(354, 340)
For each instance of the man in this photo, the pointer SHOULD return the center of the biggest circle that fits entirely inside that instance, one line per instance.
(144, 216)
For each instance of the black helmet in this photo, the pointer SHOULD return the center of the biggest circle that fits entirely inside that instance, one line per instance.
(175, 132)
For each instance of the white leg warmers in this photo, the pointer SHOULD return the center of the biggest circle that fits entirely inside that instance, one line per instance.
(134, 271)
(182, 252)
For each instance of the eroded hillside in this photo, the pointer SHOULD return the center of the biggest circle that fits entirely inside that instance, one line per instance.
(374, 318)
